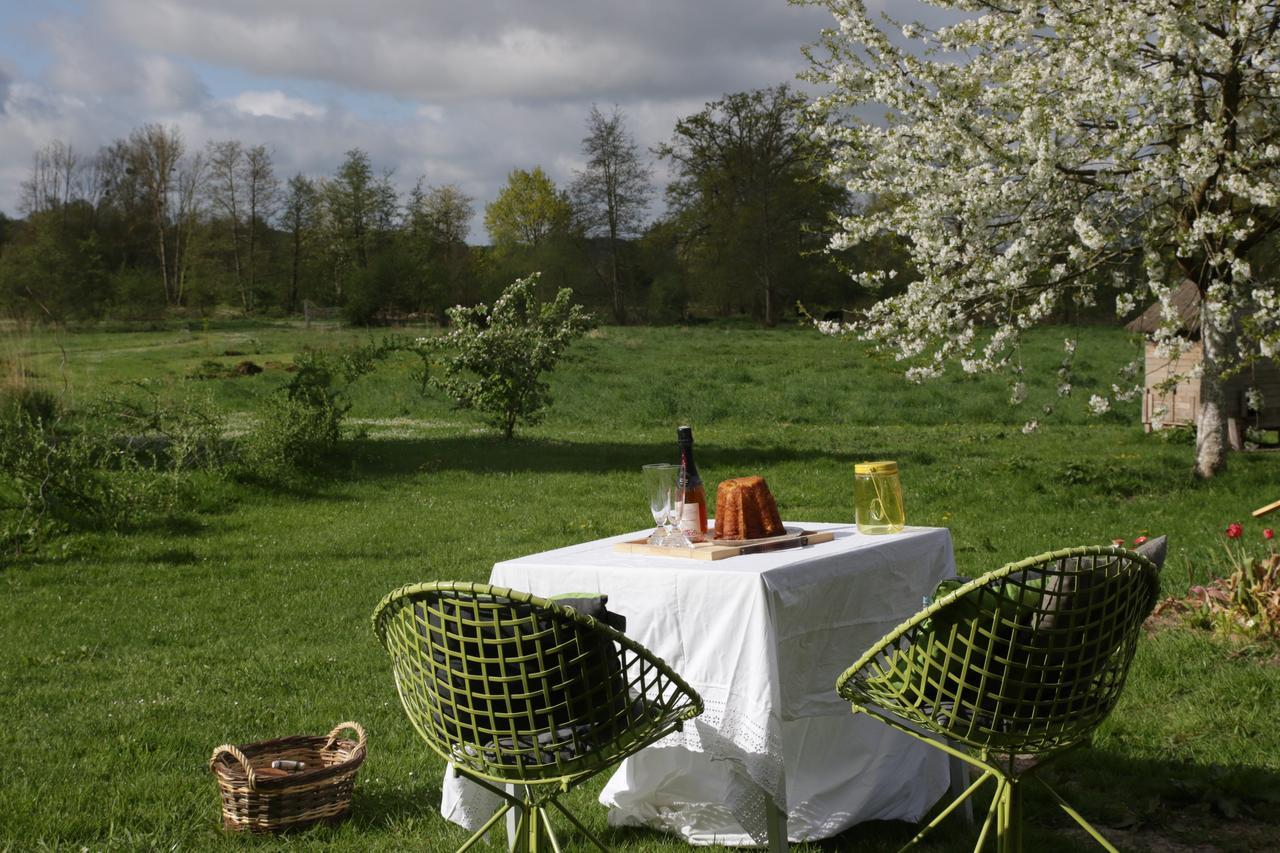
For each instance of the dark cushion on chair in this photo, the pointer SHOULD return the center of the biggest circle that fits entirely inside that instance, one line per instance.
(1053, 642)
(587, 604)
(491, 683)
(1056, 647)
(563, 744)
(1155, 550)
(993, 608)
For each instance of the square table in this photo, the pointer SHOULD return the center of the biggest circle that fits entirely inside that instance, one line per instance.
(762, 638)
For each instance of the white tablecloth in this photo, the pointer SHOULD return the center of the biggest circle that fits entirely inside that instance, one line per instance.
(762, 638)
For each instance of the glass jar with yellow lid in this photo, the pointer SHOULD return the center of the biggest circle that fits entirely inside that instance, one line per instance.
(877, 497)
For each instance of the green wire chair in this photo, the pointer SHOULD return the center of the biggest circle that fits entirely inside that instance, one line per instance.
(1021, 663)
(517, 690)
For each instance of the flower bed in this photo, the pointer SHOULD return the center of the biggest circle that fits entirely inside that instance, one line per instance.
(1245, 600)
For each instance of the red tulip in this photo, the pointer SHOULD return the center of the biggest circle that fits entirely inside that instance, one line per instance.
(1234, 531)
(1139, 540)
(1268, 534)
(1119, 543)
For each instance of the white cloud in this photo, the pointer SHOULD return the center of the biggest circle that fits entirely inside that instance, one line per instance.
(462, 92)
(442, 51)
(87, 65)
(275, 104)
(164, 86)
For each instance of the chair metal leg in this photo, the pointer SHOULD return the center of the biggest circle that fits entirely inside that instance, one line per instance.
(996, 802)
(578, 824)
(518, 840)
(963, 799)
(506, 807)
(532, 831)
(1009, 827)
(1079, 818)
(550, 832)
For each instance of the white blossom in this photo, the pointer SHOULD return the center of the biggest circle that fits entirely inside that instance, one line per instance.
(1036, 152)
(1124, 395)
(1253, 399)
(832, 327)
(1099, 405)
(1030, 426)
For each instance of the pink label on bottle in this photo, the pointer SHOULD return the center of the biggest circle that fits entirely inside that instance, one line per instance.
(689, 520)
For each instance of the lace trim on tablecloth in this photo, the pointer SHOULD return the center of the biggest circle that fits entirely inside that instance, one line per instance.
(726, 735)
(722, 734)
(466, 803)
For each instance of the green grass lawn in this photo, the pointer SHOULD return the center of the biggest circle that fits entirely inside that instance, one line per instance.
(128, 656)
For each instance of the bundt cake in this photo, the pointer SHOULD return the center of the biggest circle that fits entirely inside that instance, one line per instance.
(745, 510)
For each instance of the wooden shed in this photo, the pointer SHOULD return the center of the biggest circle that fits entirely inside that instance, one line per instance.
(1180, 405)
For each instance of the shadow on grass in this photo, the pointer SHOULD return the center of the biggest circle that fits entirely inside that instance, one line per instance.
(1137, 804)
(484, 454)
(375, 810)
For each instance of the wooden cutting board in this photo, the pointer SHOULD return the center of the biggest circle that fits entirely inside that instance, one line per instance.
(711, 550)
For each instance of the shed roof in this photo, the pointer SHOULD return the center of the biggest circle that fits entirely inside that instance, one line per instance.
(1186, 300)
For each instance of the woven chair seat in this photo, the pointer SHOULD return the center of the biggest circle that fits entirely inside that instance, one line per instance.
(515, 689)
(1025, 661)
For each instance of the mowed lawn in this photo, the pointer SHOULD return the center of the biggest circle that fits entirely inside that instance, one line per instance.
(126, 657)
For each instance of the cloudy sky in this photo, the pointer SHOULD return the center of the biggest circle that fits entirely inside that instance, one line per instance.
(458, 92)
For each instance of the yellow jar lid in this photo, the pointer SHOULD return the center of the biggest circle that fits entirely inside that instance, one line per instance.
(884, 467)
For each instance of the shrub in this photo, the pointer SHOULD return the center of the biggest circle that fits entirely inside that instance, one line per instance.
(290, 435)
(176, 432)
(501, 354)
(299, 426)
(32, 401)
(53, 480)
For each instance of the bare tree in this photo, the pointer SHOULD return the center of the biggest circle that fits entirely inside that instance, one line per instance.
(154, 154)
(262, 194)
(117, 182)
(300, 213)
(54, 181)
(226, 191)
(189, 184)
(95, 179)
(610, 196)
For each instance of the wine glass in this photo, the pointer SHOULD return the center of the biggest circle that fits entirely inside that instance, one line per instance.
(666, 503)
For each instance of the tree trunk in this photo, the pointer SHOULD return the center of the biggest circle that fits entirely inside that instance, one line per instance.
(293, 277)
(1211, 425)
(164, 259)
(766, 282)
(253, 216)
(619, 308)
(235, 255)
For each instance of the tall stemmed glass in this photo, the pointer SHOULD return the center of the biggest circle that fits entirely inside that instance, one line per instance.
(666, 503)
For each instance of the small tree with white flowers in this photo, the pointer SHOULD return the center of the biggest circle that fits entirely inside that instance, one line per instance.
(500, 354)
(1035, 151)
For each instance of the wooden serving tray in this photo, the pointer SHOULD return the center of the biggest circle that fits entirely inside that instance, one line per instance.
(711, 550)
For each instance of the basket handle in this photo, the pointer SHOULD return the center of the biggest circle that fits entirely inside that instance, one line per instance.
(235, 753)
(354, 726)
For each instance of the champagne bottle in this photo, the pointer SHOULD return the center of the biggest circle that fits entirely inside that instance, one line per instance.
(694, 520)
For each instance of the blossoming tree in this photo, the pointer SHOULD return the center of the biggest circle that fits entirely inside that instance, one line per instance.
(1032, 152)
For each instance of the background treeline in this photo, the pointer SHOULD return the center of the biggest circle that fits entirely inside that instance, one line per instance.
(149, 226)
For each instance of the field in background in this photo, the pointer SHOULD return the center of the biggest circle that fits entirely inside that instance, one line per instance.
(127, 657)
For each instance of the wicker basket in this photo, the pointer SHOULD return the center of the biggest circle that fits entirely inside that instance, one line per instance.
(256, 802)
